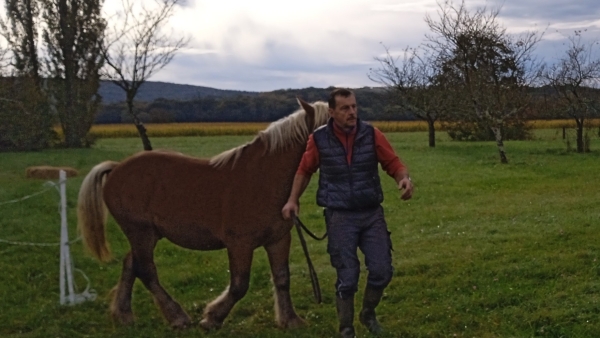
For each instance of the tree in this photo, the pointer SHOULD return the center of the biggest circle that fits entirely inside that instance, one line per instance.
(490, 69)
(73, 35)
(25, 113)
(21, 32)
(23, 125)
(413, 84)
(139, 48)
(575, 78)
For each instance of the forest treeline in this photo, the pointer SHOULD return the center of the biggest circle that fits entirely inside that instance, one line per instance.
(374, 103)
(260, 107)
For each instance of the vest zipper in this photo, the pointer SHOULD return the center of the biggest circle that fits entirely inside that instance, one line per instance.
(349, 165)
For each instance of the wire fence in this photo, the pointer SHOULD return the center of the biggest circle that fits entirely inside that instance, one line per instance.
(66, 280)
(47, 187)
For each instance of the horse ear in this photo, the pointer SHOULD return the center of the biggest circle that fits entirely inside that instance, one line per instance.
(310, 111)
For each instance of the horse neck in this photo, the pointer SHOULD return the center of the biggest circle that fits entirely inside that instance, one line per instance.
(280, 165)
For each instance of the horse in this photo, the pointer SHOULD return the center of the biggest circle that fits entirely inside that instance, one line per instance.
(231, 201)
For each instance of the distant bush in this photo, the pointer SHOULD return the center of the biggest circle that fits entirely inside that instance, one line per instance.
(25, 122)
(465, 131)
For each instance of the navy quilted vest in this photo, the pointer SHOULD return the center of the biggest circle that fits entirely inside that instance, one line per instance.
(346, 186)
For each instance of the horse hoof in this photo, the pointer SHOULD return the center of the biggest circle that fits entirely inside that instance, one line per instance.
(294, 323)
(209, 325)
(125, 319)
(181, 323)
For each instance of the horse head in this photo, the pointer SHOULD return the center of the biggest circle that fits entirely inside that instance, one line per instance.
(317, 113)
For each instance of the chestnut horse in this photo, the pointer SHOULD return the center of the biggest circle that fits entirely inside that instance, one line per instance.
(232, 201)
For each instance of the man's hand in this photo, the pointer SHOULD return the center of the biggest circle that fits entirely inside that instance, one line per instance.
(406, 185)
(292, 207)
(289, 209)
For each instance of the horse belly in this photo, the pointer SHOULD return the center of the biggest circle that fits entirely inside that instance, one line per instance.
(195, 238)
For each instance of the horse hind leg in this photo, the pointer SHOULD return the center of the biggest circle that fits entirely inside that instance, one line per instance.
(142, 243)
(240, 262)
(278, 254)
(120, 307)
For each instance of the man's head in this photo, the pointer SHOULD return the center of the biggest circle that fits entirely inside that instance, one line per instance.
(342, 108)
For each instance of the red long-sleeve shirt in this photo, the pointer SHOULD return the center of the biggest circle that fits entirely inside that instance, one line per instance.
(386, 156)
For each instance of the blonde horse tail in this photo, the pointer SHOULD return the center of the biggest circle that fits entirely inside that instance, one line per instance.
(91, 211)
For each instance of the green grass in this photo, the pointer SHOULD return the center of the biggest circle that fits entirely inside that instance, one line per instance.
(482, 249)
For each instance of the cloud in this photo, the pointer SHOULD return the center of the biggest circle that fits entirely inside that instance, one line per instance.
(272, 44)
(315, 44)
(267, 44)
(283, 67)
(187, 3)
(552, 11)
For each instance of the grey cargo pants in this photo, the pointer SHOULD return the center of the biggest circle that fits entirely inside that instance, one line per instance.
(349, 230)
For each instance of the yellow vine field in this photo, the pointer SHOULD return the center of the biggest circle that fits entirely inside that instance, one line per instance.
(251, 128)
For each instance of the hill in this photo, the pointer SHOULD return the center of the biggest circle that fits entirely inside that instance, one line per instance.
(151, 90)
(179, 103)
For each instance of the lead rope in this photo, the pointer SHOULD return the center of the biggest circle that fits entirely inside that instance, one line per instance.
(311, 269)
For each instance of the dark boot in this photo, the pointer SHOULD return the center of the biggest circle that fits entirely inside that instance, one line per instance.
(345, 312)
(367, 314)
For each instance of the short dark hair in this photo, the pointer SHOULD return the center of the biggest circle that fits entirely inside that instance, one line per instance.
(343, 92)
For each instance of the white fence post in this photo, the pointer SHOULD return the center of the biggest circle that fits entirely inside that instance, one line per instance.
(66, 275)
(62, 281)
(66, 272)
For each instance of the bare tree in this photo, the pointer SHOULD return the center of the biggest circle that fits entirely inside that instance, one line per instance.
(20, 29)
(413, 84)
(139, 48)
(492, 69)
(576, 78)
(5, 59)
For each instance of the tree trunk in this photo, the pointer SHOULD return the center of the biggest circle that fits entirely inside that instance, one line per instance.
(580, 145)
(31, 43)
(72, 139)
(500, 143)
(139, 125)
(142, 131)
(431, 128)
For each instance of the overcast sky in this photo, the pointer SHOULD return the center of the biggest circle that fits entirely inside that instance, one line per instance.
(262, 45)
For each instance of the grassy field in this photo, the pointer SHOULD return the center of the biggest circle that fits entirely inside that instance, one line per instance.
(482, 249)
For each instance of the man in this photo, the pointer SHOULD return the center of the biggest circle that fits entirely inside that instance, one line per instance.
(347, 152)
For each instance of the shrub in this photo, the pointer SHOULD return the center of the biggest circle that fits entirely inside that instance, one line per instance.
(465, 131)
(25, 122)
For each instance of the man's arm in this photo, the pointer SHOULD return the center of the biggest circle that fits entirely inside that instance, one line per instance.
(308, 166)
(392, 164)
(404, 183)
(292, 207)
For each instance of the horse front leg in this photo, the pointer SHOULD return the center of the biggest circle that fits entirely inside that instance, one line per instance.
(278, 254)
(240, 262)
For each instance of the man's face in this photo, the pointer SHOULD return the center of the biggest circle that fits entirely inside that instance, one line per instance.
(345, 112)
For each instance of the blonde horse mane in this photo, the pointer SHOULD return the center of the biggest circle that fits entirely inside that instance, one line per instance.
(280, 134)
